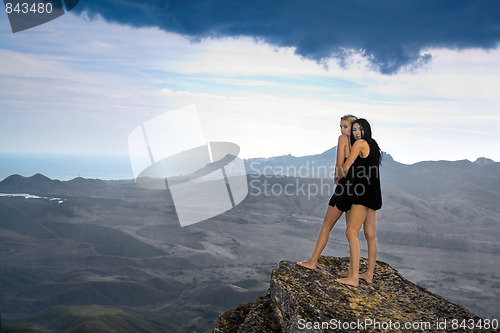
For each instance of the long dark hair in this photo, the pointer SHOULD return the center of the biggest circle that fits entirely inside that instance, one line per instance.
(367, 135)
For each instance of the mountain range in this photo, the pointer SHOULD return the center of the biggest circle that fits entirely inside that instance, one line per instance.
(112, 248)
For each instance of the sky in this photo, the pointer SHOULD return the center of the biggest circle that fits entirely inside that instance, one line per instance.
(274, 77)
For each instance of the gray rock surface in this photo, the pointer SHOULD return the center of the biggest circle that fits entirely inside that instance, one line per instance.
(302, 300)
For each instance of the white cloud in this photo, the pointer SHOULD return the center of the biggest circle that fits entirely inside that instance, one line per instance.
(101, 80)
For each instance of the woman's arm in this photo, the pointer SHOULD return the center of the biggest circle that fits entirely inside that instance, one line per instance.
(360, 146)
(343, 142)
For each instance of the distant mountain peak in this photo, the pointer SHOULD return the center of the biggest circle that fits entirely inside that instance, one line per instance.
(387, 156)
(40, 177)
(35, 177)
(301, 300)
(34, 184)
(331, 151)
(13, 177)
(484, 161)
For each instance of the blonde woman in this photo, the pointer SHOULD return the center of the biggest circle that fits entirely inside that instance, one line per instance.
(340, 201)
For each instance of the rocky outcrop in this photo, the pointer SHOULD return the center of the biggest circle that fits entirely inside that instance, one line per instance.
(301, 300)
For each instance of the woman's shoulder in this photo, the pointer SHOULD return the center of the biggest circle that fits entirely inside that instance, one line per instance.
(360, 142)
(363, 147)
(343, 139)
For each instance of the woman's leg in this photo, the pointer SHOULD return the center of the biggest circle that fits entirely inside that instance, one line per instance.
(347, 214)
(331, 217)
(356, 219)
(369, 229)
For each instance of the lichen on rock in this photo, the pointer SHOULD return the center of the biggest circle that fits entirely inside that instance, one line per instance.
(303, 300)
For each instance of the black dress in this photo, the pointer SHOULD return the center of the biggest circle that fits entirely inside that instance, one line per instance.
(361, 185)
(342, 196)
(366, 182)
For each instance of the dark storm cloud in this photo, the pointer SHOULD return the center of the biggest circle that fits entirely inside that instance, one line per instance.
(390, 34)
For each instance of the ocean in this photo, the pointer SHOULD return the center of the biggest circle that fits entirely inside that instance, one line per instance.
(66, 167)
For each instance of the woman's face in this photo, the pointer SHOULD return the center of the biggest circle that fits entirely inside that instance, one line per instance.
(357, 131)
(345, 127)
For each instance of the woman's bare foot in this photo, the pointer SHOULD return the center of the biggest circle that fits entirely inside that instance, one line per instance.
(353, 282)
(307, 264)
(344, 274)
(366, 277)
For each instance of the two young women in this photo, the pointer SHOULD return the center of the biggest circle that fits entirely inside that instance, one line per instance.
(357, 194)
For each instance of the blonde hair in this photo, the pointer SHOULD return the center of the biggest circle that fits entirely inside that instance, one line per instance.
(349, 117)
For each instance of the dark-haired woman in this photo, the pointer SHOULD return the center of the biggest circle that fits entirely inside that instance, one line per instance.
(364, 159)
